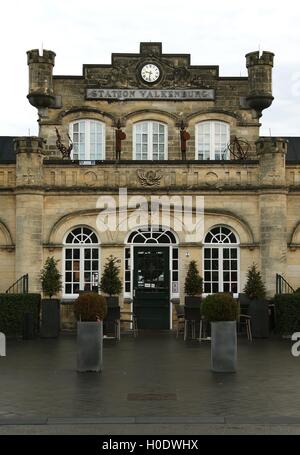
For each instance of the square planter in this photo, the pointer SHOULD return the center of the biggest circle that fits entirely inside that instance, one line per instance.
(112, 301)
(89, 346)
(223, 347)
(260, 319)
(193, 301)
(50, 323)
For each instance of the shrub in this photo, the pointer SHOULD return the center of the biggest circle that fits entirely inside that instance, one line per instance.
(255, 288)
(110, 281)
(287, 313)
(12, 310)
(90, 306)
(50, 277)
(220, 307)
(193, 281)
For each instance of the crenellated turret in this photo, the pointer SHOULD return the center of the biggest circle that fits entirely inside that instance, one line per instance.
(260, 80)
(40, 78)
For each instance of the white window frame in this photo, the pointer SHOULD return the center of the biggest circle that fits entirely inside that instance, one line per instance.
(220, 270)
(87, 139)
(150, 139)
(212, 124)
(81, 247)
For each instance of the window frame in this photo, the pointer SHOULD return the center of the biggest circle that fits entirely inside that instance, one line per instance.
(82, 246)
(221, 246)
(150, 133)
(87, 139)
(212, 141)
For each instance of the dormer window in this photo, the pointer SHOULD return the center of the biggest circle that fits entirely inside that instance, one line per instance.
(88, 138)
(212, 139)
(149, 141)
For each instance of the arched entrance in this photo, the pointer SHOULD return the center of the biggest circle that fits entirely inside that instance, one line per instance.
(151, 275)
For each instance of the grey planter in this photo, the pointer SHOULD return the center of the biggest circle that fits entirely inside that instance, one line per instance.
(192, 301)
(50, 323)
(223, 347)
(89, 346)
(259, 312)
(112, 300)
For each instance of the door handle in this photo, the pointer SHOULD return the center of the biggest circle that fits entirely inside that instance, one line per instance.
(134, 293)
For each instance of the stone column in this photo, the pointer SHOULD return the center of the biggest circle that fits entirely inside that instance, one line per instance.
(29, 209)
(272, 209)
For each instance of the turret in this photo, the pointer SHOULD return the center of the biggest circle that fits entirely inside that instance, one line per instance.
(260, 80)
(40, 78)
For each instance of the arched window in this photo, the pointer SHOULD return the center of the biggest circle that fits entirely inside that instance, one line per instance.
(81, 261)
(88, 138)
(150, 141)
(221, 261)
(212, 139)
(151, 234)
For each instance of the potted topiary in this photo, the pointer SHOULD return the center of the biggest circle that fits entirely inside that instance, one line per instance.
(222, 311)
(110, 282)
(90, 309)
(51, 285)
(193, 286)
(255, 293)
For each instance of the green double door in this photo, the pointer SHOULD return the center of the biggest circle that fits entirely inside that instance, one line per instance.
(151, 287)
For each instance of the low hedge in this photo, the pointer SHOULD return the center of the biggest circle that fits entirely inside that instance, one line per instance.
(12, 310)
(287, 313)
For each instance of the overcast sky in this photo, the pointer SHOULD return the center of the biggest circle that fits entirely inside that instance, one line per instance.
(216, 32)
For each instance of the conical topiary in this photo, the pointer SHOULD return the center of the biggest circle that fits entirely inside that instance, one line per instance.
(50, 277)
(255, 288)
(193, 281)
(110, 282)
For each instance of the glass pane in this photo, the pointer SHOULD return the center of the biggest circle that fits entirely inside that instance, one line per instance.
(68, 254)
(87, 254)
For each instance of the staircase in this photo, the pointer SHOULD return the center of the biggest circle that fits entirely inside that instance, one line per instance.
(282, 286)
(19, 287)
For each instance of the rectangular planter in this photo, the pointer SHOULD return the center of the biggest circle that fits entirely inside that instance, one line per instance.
(50, 323)
(192, 301)
(89, 346)
(223, 347)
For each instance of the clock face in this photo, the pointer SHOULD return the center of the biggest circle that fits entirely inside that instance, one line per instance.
(150, 72)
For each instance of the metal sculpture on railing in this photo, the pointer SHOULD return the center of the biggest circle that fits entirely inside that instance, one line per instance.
(65, 151)
(239, 148)
(184, 137)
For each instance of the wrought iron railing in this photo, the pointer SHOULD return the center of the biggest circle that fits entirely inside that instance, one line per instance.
(282, 286)
(19, 287)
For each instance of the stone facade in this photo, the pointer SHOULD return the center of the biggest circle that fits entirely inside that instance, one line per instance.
(43, 197)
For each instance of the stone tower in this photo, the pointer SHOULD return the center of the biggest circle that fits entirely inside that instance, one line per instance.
(272, 208)
(40, 78)
(260, 80)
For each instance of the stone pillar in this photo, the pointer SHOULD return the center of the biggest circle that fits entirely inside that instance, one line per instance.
(272, 209)
(29, 209)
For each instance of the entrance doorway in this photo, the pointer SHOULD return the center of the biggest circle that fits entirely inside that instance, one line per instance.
(151, 287)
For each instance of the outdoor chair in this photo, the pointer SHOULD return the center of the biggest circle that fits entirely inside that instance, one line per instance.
(244, 319)
(128, 317)
(112, 321)
(180, 319)
(192, 318)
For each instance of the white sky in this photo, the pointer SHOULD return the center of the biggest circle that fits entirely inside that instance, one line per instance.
(219, 32)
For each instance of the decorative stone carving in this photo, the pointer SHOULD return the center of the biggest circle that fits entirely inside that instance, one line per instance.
(149, 178)
(211, 179)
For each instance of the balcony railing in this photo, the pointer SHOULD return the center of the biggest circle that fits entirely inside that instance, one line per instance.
(282, 286)
(20, 286)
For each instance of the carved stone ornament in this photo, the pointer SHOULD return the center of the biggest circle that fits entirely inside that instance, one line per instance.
(149, 178)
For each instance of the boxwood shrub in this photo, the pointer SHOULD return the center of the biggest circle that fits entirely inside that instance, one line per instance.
(287, 313)
(12, 310)
(220, 307)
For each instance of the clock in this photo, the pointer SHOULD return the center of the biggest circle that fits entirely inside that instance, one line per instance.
(150, 73)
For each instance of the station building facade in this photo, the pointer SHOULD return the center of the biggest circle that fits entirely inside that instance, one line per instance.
(150, 124)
